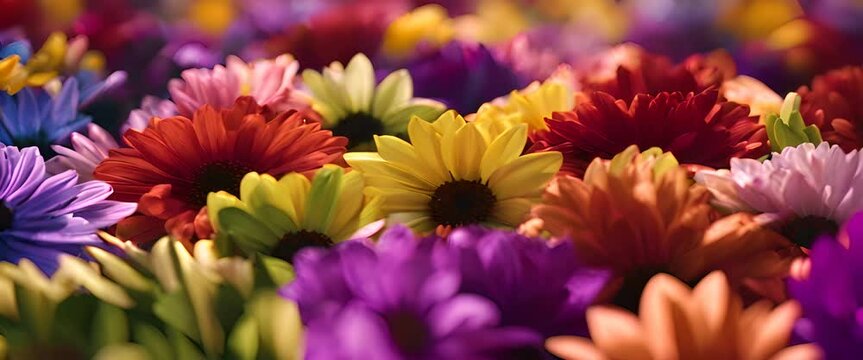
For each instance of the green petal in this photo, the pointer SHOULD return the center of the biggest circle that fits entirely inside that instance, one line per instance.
(394, 91)
(250, 234)
(322, 201)
(396, 122)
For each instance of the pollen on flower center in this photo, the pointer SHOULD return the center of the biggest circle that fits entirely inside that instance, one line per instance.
(804, 230)
(291, 243)
(461, 202)
(358, 127)
(217, 176)
(6, 216)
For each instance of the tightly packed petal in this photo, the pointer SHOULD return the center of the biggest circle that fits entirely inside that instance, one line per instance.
(693, 127)
(831, 295)
(804, 192)
(707, 322)
(833, 104)
(452, 174)
(269, 82)
(171, 166)
(86, 153)
(43, 216)
(653, 221)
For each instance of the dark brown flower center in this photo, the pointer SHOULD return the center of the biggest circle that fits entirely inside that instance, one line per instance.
(409, 332)
(359, 128)
(461, 202)
(217, 176)
(292, 243)
(805, 230)
(6, 216)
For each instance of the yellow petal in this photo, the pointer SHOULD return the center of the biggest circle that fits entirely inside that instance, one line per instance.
(525, 176)
(463, 152)
(504, 149)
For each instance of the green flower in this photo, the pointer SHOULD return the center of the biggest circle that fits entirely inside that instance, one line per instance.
(787, 128)
(162, 304)
(352, 106)
(280, 217)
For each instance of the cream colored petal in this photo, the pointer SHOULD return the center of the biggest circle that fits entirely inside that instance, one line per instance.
(800, 352)
(322, 99)
(360, 83)
(395, 90)
(503, 149)
(525, 176)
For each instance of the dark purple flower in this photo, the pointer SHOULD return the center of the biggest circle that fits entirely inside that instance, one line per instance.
(478, 294)
(43, 216)
(832, 295)
(462, 75)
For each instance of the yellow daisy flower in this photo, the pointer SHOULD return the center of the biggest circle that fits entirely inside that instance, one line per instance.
(452, 174)
(530, 106)
(280, 217)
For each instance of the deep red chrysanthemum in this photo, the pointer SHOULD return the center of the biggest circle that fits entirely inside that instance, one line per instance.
(628, 70)
(170, 167)
(835, 105)
(694, 127)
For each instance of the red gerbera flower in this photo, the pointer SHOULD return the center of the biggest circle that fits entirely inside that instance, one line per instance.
(694, 127)
(833, 104)
(627, 70)
(170, 167)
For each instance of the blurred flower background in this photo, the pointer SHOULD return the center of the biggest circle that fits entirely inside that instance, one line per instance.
(416, 179)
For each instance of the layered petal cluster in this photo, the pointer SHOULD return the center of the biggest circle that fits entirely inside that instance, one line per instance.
(43, 216)
(280, 217)
(473, 295)
(171, 166)
(653, 220)
(453, 174)
(804, 191)
(831, 294)
(628, 70)
(270, 82)
(86, 153)
(693, 127)
(352, 106)
(676, 322)
(833, 104)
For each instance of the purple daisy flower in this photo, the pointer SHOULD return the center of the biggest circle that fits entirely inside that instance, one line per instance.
(462, 75)
(473, 295)
(505, 267)
(43, 216)
(832, 295)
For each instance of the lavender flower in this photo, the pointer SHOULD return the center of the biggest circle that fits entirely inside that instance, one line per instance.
(43, 216)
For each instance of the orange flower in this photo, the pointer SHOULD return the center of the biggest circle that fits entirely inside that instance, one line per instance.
(170, 167)
(640, 214)
(675, 322)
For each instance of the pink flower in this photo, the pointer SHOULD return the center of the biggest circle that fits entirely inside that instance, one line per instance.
(86, 153)
(270, 82)
(151, 107)
(805, 191)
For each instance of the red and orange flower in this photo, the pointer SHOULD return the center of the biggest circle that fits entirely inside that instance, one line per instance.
(696, 128)
(171, 166)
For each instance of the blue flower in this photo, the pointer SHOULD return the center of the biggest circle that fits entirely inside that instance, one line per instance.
(43, 216)
(34, 117)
